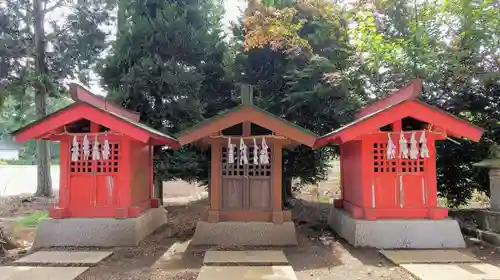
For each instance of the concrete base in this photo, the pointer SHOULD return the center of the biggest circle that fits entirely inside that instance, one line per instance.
(98, 232)
(392, 234)
(245, 234)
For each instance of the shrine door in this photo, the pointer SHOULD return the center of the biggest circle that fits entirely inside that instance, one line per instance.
(245, 187)
(92, 181)
(397, 183)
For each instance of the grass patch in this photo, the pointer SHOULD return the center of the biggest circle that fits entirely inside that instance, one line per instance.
(324, 199)
(32, 220)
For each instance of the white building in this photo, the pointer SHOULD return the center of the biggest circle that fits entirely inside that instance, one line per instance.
(9, 150)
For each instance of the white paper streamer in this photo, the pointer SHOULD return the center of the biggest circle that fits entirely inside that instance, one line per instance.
(413, 147)
(106, 150)
(424, 150)
(264, 155)
(255, 152)
(75, 150)
(391, 148)
(86, 151)
(96, 155)
(243, 152)
(403, 146)
(230, 151)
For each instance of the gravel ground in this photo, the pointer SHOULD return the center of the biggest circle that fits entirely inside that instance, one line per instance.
(167, 255)
(17, 206)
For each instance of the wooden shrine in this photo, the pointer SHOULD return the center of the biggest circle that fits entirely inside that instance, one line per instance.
(388, 157)
(106, 158)
(246, 175)
(246, 161)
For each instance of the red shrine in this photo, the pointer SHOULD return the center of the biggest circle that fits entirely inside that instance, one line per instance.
(106, 157)
(388, 158)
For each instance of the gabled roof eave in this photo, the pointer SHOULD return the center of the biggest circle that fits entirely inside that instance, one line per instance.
(251, 114)
(473, 132)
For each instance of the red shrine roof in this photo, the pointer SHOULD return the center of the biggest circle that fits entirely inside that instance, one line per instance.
(410, 91)
(98, 110)
(401, 104)
(80, 93)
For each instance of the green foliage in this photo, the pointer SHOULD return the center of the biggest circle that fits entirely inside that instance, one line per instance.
(453, 46)
(18, 113)
(169, 66)
(310, 89)
(32, 220)
(313, 64)
(73, 38)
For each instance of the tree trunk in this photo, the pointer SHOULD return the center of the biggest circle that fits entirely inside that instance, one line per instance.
(44, 181)
(5, 243)
(287, 185)
(158, 186)
(122, 17)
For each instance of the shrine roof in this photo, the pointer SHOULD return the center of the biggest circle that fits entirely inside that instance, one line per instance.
(115, 119)
(247, 113)
(410, 91)
(80, 93)
(397, 110)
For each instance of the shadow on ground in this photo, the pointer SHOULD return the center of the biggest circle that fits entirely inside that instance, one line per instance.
(167, 253)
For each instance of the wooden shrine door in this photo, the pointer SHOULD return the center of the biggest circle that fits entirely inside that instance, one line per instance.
(92, 182)
(397, 183)
(411, 181)
(245, 187)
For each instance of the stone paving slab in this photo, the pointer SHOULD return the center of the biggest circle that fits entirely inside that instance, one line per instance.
(247, 273)
(470, 271)
(427, 256)
(40, 273)
(65, 257)
(245, 258)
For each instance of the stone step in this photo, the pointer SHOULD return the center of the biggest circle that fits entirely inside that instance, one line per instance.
(40, 273)
(64, 258)
(427, 256)
(247, 273)
(245, 258)
(466, 271)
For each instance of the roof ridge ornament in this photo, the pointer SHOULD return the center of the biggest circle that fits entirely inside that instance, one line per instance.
(246, 94)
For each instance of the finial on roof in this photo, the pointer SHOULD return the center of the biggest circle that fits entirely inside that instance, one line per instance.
(246, 94)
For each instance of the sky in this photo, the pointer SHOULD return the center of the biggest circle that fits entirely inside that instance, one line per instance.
(233, 8)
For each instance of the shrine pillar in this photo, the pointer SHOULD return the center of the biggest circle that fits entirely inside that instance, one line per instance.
(277, 167)
(215, 181)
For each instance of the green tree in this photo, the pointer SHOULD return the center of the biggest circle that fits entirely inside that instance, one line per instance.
(309, 87)
(453, 46)
(169, 64)
(35, 58)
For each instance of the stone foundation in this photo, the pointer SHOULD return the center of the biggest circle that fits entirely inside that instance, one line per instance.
(98, 232)
(396, 233)
(245, 234)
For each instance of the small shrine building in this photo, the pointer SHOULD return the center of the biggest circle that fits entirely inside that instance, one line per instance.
(106, 173)
(388, 173)
(246, 175)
